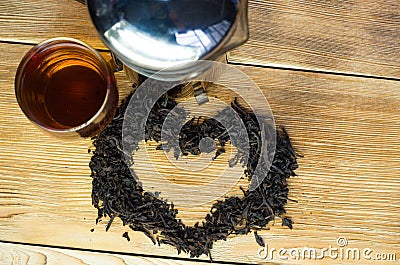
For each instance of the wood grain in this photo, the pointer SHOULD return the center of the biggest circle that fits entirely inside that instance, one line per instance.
(36, 21)
(347, 128)
(23, 254)
(358, 36)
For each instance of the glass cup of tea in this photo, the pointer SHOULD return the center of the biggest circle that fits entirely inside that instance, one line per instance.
(65, 87)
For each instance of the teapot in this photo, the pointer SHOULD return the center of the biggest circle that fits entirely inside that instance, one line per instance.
(151, 35)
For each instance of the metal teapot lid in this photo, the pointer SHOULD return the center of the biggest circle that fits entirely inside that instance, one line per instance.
(150, 35)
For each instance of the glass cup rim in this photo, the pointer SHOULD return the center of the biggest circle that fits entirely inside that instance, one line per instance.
(25, 60)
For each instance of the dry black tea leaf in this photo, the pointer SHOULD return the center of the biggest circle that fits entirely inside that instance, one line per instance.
(287, 222)
(126, 235)
(259, 239)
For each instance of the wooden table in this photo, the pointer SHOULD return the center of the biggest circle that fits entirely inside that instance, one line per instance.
(331, 73)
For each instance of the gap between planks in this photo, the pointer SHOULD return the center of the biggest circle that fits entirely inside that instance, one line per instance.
(277, 67)
(12, 251)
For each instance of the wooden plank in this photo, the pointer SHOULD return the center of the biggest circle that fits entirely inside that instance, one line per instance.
(23, 254)
(37, 20)
(360, 36)
(347, 128)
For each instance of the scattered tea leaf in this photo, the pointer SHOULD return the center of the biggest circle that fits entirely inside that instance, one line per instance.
(287, 222)
(259, 239)
(126, 235)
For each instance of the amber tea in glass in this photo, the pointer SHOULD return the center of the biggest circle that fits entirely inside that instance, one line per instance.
(65, 87)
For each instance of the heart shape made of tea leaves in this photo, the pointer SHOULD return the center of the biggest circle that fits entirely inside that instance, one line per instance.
(117, 193)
